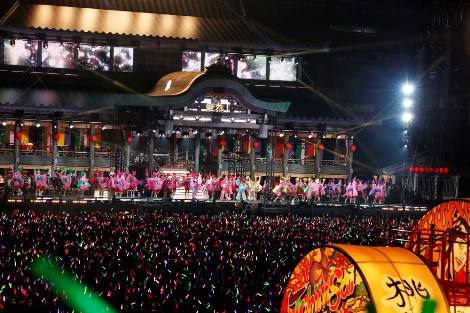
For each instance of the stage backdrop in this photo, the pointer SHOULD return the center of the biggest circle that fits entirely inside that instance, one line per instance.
(343, 278)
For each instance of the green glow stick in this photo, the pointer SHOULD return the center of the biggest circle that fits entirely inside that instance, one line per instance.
(74, 294)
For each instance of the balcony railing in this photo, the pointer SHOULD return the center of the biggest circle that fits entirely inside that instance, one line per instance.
(43, 158)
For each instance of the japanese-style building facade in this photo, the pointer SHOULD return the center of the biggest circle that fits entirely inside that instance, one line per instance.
(97, 86)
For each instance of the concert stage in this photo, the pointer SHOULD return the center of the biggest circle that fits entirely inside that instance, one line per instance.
(210, 206)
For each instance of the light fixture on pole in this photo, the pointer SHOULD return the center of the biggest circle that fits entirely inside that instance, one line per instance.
(407, 117)
(407, 88)
(407, 103)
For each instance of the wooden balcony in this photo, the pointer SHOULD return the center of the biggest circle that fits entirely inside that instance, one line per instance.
(43, 159)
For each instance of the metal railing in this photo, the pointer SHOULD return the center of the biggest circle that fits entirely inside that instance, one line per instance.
(6, 151)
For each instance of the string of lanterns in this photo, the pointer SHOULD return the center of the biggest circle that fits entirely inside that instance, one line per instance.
(428, 170)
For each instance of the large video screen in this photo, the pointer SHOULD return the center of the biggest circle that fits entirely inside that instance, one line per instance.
(252, 67)
(21, 52)
(282, 69)
(230, 60)
(191, 61)
(58, 55)
(94, 57)
(123, 60)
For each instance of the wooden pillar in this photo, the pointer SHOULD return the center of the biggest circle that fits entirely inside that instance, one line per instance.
(16, 161)
(91, 145)
(318, 157)
(151, 146)
(197, 153)
(219, 162)
(55, 148)
(252, 158)
(175, 149)
(128, 155)
(350, 156)
(285, 162)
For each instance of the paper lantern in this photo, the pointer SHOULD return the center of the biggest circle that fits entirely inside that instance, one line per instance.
(446, 170)
(57, 136)
(19, 135)
(129, 139)
(321, 147)
(353, 148)
(288, 146)
(255, 144)
(222, 142)
(412, 169)
(93, 138)
(417, 169)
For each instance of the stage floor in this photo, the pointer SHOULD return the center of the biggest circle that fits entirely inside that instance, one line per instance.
(202, 206)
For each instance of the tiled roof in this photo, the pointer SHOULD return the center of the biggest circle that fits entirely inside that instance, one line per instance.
(223, 29)
(201, 8)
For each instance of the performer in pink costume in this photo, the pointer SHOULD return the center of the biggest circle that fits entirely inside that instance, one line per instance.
(379, 192)
(111, 183)
(351, 192)
(17, 183)
(133, 183)
(310, 189)
(40, 183)
(156, 184)
(339, 189)
(83, 184)
(210, 187)
(277, 190)
(102, 183)
(317, 187)
(225, 189)
(66, 182)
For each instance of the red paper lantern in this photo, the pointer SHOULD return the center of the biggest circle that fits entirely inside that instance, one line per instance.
(417, 169)
(446, 170)
(129, 139)
(94, 138)
(255, 144)
(19, 135)
(321, 147)
(288, 146)
(57, 136)
(412, 169)
(421, 169)
(353, 148)
(222, 142)
(441, 170)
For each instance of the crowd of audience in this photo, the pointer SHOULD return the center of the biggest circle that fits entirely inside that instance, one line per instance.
(169, 262)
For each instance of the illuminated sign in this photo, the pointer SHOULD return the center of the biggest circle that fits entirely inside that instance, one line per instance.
(325, 281)
(405, 293)
(343, 278)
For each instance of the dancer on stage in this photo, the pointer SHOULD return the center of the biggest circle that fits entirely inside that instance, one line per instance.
(102, 184)
(225, 188)
(40, 182)
(132, 182)
(193, 183)
(241, 185)
(83, 184)
(65, 182)
(351, 192)
(17, 183)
